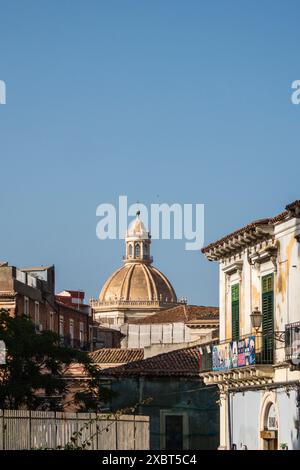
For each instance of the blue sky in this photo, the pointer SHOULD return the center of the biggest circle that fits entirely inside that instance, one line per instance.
(162, 101)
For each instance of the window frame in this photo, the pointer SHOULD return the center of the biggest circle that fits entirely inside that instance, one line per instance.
(235, 311)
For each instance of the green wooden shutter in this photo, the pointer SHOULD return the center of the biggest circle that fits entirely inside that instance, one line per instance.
(268, 317)
(235, 311)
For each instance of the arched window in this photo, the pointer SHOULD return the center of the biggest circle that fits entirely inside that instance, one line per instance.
(130, 250)
(137, 250)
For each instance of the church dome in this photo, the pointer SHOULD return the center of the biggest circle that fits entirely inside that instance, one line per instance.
(138, 282)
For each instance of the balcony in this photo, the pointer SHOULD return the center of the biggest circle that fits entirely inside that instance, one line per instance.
(246, 361)
(246, 351)
(68, 342)
(292, 343)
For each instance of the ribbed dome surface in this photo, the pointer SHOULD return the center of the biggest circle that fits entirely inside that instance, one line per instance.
(137, 282)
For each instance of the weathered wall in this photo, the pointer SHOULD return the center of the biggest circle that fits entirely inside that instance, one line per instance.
(187, 396)
(286, 271)
(279, 254)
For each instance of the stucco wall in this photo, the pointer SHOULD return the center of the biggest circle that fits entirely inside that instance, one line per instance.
(244, 419)
(247, 416)
(289, 415)
(286, 271)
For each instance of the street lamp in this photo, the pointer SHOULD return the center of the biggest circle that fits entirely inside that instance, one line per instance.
(256, 319)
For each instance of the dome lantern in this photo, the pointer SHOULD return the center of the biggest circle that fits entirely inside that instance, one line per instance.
(137, 242)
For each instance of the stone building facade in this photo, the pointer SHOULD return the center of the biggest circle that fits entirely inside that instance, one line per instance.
(31, 291)
(256, 364)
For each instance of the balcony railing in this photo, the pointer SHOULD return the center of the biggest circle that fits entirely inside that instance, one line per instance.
(68, 342)
(248, 350)
(292, 342)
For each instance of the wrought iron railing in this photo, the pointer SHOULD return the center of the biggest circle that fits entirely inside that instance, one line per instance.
(249, 350)
(68, 342)
(292, 342)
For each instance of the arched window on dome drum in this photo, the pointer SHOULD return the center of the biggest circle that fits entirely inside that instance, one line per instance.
(137, 252)
(130, 250)
(146, 251)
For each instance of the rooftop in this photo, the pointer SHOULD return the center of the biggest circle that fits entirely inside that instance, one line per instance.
(185, 362)
(116, 355)
(181, 313)
(257, 228)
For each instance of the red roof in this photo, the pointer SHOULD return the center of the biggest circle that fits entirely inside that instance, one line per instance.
(116, 355)
(181, 362)
(181, 313)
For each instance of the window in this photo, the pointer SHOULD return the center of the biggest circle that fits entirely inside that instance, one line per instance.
(26, 306)
(137, 250)
(130, 250)
(61, 325)
(235, 312)
(51, 325)
(36, 313)
(72, 332)
(268, 317)
(81, 333)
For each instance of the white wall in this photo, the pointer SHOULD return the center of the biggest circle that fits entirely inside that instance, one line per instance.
(160, 336)
(244, 418)
(247, 418)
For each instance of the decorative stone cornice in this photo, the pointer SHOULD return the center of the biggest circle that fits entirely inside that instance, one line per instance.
(267, 253)
(235, 267)
(98, 305)
(236, 242)
(240, 377)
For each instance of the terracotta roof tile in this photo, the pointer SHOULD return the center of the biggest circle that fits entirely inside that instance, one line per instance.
(181, 362)
(293, 205)
(181, 313)
(251, 226)
(116, 355)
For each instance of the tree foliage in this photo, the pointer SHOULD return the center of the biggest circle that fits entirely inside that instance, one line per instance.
(34, 374)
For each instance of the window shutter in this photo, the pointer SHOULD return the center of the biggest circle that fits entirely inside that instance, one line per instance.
(268, 316)
(235, 311)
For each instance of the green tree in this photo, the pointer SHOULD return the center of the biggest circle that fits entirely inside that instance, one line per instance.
(34, 375)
